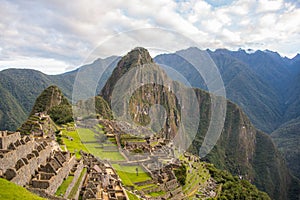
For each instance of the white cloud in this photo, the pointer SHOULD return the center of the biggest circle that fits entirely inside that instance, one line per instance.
(46, 65)
(67, 32)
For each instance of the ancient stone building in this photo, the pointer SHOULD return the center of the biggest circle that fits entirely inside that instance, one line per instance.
(33, 163)
(50, 176)
(101, 181)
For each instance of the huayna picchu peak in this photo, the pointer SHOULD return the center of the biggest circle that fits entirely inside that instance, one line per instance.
(139, 56)
(96, 155)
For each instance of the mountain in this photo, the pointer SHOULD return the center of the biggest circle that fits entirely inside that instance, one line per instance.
(246, 85)
(253, 81)
(52, 102)
(20, 87)
(264, 84)
(287, 138)
(143, 76)
(241, 149)
(93, 107)
(51, 108)
(138, 56)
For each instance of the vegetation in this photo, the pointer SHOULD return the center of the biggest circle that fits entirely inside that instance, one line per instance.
(181, 174)
(129, 175)
(61, 190)
(234, 188)
(249, 153)
(157, 194)
(132, 196)
(9, 190)
(91, 143)
(287, 139)
(54, 103)
(232, 151)
(38, 124)
(73, 142)
(93, 107)
(76, 186)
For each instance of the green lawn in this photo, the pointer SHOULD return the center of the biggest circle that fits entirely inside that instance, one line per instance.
(88, 135)
(74, 145)
(152, 185)
(128, 174)
(82, 137)
(61, 190)
(156, 194)
(76, 186)
(132, 196)
(9, 190)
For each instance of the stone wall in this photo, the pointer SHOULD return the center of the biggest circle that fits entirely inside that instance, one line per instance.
(29, 165)
(56, 180)
(9, 157)
(6, 138)
(62, 173)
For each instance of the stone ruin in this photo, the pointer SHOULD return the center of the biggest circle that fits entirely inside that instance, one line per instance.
(31, 163)
(101, 182)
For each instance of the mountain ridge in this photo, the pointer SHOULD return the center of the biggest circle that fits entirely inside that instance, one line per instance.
(252, 92)
(241, 149)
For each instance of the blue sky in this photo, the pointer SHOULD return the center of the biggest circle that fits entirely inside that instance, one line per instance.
(56, 36)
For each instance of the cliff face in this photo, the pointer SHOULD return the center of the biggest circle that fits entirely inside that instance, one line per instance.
(137, 76)
(245, 151)
(241, 148)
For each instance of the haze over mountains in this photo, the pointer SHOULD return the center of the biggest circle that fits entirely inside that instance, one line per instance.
(264, 84)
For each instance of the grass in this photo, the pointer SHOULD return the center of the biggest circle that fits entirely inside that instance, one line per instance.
(156, 194)
(152, 185)
(76, 186)
(132, 196)
(61, 190)
(82, 137)
(86, 135)
(94, 148)
(128, 174)
(75, 145)
(9, 190)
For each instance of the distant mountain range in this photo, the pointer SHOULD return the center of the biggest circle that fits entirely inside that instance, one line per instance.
(264, 84)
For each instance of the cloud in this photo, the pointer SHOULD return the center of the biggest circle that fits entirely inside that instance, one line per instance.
(45, 65)
(67, 32)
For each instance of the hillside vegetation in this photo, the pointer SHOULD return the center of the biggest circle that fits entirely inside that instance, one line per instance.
(9, 190)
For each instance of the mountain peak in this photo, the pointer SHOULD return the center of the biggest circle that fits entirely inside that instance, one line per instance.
(137, 56)
(53, 102)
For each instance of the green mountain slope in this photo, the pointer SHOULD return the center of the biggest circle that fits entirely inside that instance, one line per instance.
(247, 152)
(11, 113)
(52, 102)
(253, 93)
(287, 138)
(93, 107)
(20, 88)
(241, 149)
(51, 107)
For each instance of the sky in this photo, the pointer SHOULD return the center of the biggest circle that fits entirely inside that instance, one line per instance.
(56, 36)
